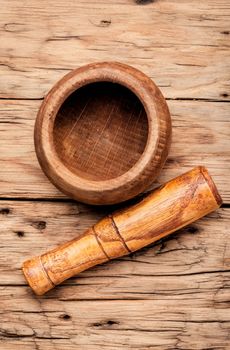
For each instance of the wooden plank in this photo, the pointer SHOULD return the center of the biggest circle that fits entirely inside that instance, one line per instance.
(170, 296)
(173, 295)
(162, 323)
(30, 228)
(182, 45)
(200, 137)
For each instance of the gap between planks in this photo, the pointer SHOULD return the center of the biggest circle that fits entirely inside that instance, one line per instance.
(166, 98)
(108, 208)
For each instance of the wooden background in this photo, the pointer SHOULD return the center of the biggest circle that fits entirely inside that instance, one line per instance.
(174, 295)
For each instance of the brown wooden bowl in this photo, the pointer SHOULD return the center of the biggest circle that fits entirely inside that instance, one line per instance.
(103, 133)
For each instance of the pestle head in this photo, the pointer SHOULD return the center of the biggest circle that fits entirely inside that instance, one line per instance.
(36, 276)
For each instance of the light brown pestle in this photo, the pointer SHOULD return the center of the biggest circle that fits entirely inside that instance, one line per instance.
(167, 209)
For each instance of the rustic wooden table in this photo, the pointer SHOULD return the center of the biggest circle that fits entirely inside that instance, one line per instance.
(173, 295)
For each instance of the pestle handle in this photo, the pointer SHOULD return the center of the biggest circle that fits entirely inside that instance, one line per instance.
(167, 209)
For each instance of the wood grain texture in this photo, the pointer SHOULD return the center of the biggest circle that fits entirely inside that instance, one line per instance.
(28, 228)
(147, 299)
(178, 203)
(103, 133)
(200, 136)
(140, 324)
(174, 295)
(109, 134)
(183, 46)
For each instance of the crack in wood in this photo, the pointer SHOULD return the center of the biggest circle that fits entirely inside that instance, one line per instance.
(77, 284)
(145, 2)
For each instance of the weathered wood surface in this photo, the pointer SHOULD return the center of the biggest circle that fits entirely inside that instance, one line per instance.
(174, 295)
(183, 45)
(201, 136)
(29, 228)
(167, 209)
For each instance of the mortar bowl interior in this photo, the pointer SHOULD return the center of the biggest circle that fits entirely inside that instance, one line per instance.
(100, 131)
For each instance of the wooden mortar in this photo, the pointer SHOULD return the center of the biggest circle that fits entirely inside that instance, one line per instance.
(103, 133)
(176, 204)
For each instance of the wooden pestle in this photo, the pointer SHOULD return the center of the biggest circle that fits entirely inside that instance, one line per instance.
(167, 209)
